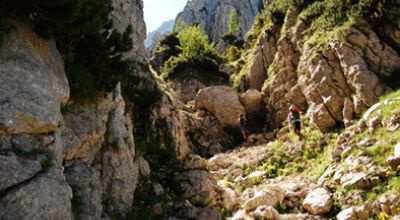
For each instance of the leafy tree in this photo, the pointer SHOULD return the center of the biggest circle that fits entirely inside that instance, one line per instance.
(233, 25)
(194, 43)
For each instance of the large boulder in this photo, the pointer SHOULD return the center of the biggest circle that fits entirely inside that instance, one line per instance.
(318, 202)
(251, 101)
(199, 185)
(47, 196)
(222, 102)
(33, 84)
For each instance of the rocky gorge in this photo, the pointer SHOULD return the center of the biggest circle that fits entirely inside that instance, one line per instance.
(154, 147)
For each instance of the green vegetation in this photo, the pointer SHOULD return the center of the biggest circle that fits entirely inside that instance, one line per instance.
(233, 24)
(195, 52)
(91, 48)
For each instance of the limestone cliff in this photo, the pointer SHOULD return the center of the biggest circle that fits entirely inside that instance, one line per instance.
(334, 77)
(213, 15)
(63, 158)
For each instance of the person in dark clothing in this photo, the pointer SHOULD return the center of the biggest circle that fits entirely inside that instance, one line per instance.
(295, 121)
(243, 125)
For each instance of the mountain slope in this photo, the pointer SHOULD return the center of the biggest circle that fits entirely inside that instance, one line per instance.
(166, 27)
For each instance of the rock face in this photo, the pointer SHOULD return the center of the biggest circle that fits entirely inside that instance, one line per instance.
(333, 85)
(154, 37)
(47, 196)
(213, 15)
(130, 12)
(222, 102)
(60, 158)
(33, 82)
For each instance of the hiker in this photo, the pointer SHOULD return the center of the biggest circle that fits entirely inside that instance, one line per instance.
(243, 124)
(295, 121)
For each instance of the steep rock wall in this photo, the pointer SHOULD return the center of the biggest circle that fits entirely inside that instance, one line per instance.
(213, 15)
(334, 84)
(64, 159)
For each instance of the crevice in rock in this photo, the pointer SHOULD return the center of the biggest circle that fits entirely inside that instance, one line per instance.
(11, 188)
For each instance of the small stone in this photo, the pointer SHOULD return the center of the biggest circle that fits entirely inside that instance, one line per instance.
(318, 201)
(158, 189)
(347, 214)
(144, 167)
(393, 162)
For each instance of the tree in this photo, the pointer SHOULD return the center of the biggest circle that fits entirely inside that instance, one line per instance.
(233, 25)
(194, 43)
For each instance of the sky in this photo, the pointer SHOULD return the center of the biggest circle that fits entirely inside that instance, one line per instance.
(158, 11)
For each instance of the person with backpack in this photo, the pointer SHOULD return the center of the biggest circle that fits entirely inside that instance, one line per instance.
(243, 125)
(295, 121)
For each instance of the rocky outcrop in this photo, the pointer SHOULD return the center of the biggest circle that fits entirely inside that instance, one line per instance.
(154, 37)
(47, 196)
(130, 12)
(39, 137)
(333, 85)
(213, 16)
(222, 102)
(34, 84)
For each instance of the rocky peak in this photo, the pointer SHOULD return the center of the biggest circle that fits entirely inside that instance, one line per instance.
(213, 15)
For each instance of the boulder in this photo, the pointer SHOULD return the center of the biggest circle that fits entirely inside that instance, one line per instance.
(318, 201)
(87, 190)
(14, 170)
(222, 102)
(144, 167)
(47, 196)
(347, 214)
(251, 101)
(271, 196)
(34, 84)
(197, 184)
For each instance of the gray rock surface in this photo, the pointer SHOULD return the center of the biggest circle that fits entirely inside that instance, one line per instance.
(47, 196)
(130, 12)
(33, 84)
(213, 15)
(14, 170)
(87, 190)
(119, 169)
(222, 102)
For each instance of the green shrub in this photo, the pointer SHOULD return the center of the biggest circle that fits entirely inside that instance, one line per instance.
(195, 52)
(233, 53)
(194, 44)
(91, 48)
